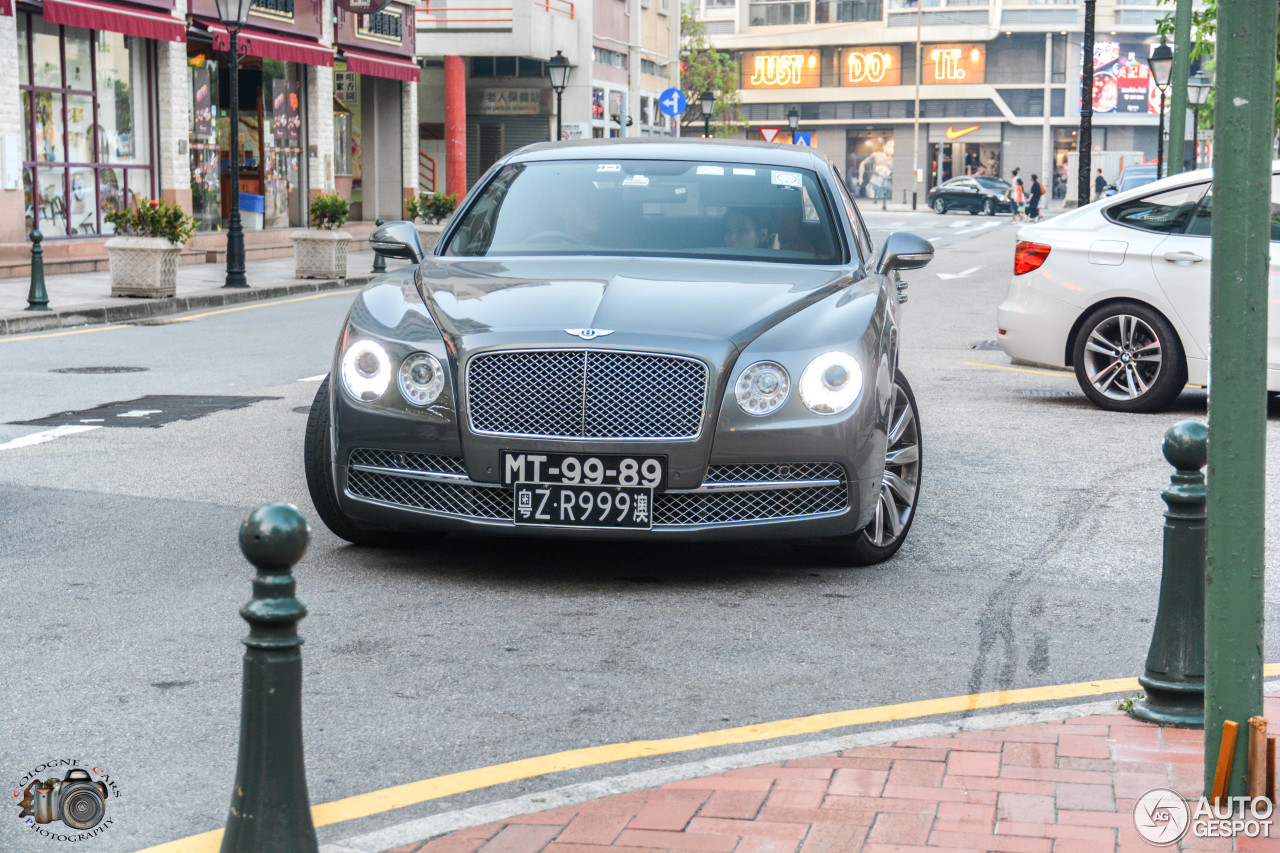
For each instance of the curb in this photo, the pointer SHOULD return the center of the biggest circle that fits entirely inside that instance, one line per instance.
(434, 826)
(40, 321)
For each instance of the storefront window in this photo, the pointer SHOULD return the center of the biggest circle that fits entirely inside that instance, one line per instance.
(281, 143)
(1064, 142)
(347, 135)
(869, 163)
(82, 128)
(206, 160)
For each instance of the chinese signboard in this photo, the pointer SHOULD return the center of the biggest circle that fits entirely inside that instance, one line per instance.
(345, 88)
(286, 113)
(1121, 79)
(511, 101)
(793, 69)
(954, 63)
(871, 66)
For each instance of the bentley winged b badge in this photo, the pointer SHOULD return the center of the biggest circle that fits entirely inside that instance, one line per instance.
(590, 334)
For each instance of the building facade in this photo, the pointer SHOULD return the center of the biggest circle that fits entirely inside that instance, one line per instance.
(105, 103)
(998, 83)
(484, 90)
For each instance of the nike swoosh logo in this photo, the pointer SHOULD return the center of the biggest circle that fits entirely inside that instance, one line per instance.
(952, 133)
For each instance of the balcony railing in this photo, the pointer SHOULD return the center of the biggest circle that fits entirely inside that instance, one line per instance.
(464, 15)
(847, 11)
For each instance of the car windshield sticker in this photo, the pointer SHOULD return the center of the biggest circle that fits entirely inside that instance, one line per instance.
(785, 179)
(609, 167)
(711, 170)
(635, 181)
(744, 171)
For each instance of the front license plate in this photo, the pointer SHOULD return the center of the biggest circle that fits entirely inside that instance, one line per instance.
(554, 505)
(578, 470)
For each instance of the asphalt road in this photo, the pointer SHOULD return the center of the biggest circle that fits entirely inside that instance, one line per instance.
(1034, 560)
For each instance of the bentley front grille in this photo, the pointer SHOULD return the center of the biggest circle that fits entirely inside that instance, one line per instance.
(586, 393)
(730, 493)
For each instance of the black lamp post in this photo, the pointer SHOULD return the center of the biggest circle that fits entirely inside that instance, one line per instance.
(558, 69)
(708, 107)
(1198, 88)
(793, 122)
(1161, 63)
(233, 14)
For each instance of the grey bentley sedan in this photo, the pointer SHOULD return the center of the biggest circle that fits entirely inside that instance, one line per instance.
(678, 340)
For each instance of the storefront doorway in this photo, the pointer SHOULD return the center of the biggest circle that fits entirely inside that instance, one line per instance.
(949, 160)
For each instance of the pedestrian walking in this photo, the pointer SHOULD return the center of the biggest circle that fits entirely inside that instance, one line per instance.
(1018, 197)
(1033, 200)
(1099, 186)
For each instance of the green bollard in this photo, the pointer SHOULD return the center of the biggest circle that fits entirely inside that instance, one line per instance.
(270, 810)
(37, 296)
(379, 262)
(1174, 678)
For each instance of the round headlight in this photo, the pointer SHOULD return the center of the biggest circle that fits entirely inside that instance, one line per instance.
(366, 370)
(762, 388)
(831, 383)
(421, 379)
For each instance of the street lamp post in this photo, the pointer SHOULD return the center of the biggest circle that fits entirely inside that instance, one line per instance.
(558, 69)
(1085, 145)
(1197, 93)
(1161, 63)
(233, 14)
(708, 105)
(793, 122)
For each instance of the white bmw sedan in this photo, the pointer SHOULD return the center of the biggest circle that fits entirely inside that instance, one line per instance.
(1119, 291)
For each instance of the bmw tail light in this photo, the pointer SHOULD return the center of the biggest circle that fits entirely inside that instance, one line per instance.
(1028, 256)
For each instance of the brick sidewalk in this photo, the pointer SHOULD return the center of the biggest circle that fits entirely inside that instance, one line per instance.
(1061, 787)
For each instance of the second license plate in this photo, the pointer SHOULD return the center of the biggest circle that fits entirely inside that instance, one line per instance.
(554, 505)
(574, 470)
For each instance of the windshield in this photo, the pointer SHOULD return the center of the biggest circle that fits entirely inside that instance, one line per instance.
(994, 183)
(664, 208)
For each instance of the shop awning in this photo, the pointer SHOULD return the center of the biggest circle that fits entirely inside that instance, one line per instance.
(144, 23)
(271, 46)
(377, 65)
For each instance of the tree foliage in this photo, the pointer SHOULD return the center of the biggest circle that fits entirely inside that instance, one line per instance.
(705, 69)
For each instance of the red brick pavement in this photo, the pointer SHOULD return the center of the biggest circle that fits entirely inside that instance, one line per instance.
(1057, 787)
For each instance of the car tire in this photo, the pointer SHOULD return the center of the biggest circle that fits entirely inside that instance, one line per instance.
(1128, 358)
(939, 206)
(315, 463)
(988, 208)
(973, 211)
(899, 491)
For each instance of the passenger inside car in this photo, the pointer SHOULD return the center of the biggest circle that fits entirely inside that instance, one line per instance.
(745, 228)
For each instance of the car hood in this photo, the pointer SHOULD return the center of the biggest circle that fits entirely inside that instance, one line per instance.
(654, 302)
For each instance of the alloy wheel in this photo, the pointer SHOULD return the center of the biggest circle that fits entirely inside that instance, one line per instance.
(1123, 357)
(939, 206)
(897, 498)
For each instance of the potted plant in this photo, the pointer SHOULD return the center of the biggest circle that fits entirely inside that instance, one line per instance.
(144, 254)
(429, 211)
(321, 250)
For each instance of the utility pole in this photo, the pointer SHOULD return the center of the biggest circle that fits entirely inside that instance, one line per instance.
(1084, 190)
(1046, 139)
(1178, 104)
(1243, 120)
(915, 117)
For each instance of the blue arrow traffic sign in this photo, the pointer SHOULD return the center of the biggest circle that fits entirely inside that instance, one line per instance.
(672, 102)
(802, 137)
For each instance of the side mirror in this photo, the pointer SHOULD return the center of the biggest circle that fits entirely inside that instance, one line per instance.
(903, 251)
(397, 240)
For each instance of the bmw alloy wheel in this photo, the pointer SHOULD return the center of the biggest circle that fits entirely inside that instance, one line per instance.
(898, 487)
(1122, 357)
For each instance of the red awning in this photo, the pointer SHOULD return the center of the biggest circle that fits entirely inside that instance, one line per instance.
(271, 46)
(377, 65)
(144, 23)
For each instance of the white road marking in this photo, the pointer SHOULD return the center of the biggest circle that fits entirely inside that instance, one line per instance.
(139, 413)
(947, 276)
(46, 435)
(313, 378)
(984, 227)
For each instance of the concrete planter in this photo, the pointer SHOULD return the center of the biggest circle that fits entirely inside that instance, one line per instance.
(429, 233)
(143, 266)
(318, 253)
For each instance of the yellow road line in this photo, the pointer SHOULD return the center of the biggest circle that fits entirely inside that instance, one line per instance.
(1060, 374)
(399, 796)
(262, 303)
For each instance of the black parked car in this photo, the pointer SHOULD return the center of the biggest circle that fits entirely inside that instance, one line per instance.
(974, 193)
